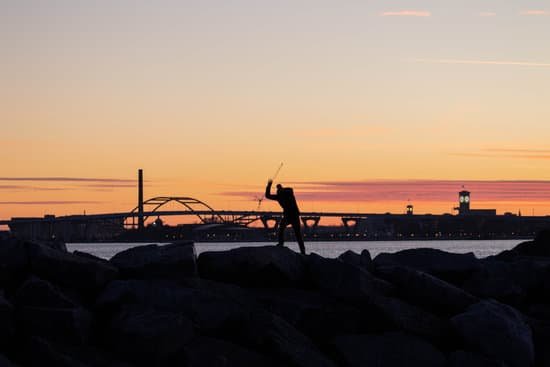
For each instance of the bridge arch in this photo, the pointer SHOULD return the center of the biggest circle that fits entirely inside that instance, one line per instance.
(192, 205)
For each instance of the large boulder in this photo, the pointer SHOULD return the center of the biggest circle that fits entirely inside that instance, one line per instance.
(211, 352)
(36, 292)
(149, 337)
(508, 282)
(427, 291)
(387, 350)
(449, 266)
(461, 358)
(316, 315)
(68, 269)
(540, 246)
(362, 260)
(4, 362)
(400, 315)
(344, 281)
(13, 263)
(266, 266)
(272, 336)
(65, 325)
(212, 313)
(7, 324)
(36, 351)
(173, 261)
(497, 331)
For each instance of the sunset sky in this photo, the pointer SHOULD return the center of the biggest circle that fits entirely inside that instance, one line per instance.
(369, 104)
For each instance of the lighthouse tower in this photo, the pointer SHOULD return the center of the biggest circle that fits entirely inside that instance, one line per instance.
(463, 202)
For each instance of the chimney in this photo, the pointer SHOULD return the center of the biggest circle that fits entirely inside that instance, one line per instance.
(140, 199)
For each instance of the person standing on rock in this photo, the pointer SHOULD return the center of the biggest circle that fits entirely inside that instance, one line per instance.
(291, 213)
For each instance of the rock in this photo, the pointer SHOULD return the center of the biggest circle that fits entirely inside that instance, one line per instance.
(90, 256)
(363, 260)
(267, 266)
(149, 337)
(42, 352)
(218, 315)
(426, 291)
(540, 246)
(13, 263)
(7, 325)
(173, 261)
(462, 358)
(66, 325)
(36, 292)
(212, 313)
(210, 352)
(70, 270)
(387, 350)
(508, 282)
(4, 362)
(344, 281)
(541, 338)
(271, 335)
(497, 331)
(316, 315)
(445, 265)
(410, 319)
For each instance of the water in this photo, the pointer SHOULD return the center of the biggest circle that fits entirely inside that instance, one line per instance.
(327, 249)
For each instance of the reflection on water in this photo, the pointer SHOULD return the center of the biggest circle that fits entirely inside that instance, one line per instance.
(327, 249)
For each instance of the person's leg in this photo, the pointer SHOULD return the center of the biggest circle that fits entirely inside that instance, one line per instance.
(282, 226)
(298, 234)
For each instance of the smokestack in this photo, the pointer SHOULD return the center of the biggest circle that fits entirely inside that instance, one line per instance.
(140, 199)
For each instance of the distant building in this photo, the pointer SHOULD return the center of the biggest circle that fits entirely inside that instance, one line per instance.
(464, 206)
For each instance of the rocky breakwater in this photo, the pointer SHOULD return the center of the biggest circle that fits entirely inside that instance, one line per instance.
(268, 306)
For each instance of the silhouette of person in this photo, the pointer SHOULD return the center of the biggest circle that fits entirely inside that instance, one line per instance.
(291, 213)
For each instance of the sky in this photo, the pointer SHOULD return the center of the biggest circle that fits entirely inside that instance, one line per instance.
(371, 105)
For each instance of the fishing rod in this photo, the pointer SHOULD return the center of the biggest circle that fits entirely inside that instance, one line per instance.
(277, 172)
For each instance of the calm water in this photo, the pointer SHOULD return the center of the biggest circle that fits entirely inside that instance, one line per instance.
(327, 249)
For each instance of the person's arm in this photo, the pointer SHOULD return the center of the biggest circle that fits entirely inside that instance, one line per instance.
(268, 194)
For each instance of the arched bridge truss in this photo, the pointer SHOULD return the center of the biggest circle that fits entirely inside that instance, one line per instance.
(200, 209)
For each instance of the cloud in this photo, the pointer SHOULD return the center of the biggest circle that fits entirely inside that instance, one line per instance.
(484, 62)
(66, 179)
(406, 13)
(532, 154)
(54, 202)
(29, 188)
(415, 190)
(535, 12)
(487, 14)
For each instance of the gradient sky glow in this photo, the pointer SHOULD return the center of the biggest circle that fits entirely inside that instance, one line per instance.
(209, 96)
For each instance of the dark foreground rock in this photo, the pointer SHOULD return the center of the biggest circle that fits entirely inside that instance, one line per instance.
(445, 265)
(173, 261)
(387, 350)
(268, 266)
(497, 331)
(269, 306)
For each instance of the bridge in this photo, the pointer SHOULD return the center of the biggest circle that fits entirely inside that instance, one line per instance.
(111, 225)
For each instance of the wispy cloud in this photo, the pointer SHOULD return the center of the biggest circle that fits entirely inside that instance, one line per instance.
(54, 202)
(406, 13)
(66, 179)
(535, 12)
(487, 14)
(29, 188)
(508, 153)
(484, 62)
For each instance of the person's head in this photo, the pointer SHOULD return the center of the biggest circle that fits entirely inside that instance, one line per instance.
(279, 187)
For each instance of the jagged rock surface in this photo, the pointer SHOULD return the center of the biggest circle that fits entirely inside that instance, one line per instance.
(269, 306)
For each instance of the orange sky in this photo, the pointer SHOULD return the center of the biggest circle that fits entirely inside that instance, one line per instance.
(209, 97)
